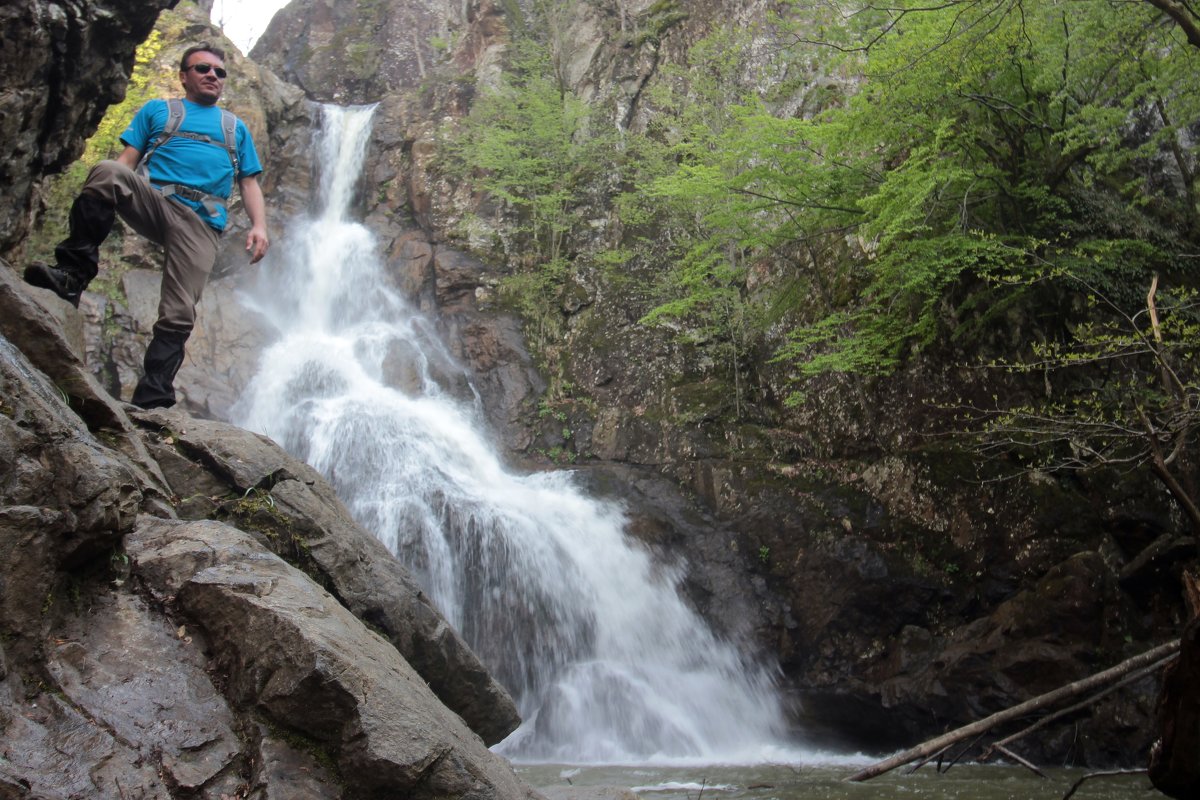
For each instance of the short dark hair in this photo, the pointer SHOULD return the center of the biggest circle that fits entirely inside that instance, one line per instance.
(202, 47)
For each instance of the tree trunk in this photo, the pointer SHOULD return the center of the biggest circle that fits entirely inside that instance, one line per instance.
(1175, 757)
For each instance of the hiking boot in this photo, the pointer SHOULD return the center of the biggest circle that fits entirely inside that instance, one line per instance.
(164, 356)
(66, 285)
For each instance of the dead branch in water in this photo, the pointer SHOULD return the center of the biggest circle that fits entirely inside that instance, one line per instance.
(1049, 718)
(1009, 754)
(1075, 787)
(999, 718)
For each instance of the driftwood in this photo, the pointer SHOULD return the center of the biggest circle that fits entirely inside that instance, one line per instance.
(1016, 712)
(1049, 718)
(1009, 754)
(1109, 774)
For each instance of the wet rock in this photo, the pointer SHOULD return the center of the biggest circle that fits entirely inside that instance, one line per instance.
(302, 519)
(502, 371)
(293, 652)
(130, 672)
(52, 750)
(290, 773)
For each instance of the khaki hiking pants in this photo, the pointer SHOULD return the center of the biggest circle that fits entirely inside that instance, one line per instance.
(190, 243)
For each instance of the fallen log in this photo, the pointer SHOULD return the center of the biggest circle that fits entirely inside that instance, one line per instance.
(1000, 717)
(1049, 718)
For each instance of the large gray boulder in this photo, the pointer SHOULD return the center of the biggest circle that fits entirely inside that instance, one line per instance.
(290, 651)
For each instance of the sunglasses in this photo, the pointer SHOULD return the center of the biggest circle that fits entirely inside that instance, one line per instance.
(203, 69)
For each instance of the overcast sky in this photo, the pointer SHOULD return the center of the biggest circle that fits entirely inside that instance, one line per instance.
(245, 20)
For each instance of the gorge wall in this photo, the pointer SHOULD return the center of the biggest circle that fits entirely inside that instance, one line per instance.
(898, 594)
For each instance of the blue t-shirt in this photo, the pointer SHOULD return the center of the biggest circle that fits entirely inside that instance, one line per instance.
(189, 162)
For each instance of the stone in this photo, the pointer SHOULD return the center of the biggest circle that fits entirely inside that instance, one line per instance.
(63, 64)
(43, 344)
(287, 772)
(293, 652)
(128, 670)
(51, 750)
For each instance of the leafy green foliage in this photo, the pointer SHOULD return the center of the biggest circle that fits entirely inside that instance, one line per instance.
(984, 140)
(1124, 394)
(532, 147)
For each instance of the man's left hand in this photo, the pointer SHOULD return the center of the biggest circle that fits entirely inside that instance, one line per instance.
(257, 244)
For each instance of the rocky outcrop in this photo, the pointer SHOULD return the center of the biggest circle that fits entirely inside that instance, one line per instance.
(293, 510)
(355, 53)
(64, 64)
(289, 650)
(184, 657)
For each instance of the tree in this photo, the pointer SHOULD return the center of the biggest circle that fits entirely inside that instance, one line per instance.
(1128, 397)
(681, 171)
(983, 139)
(1183, 15)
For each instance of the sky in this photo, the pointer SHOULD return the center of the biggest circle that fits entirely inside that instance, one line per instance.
(245, 20)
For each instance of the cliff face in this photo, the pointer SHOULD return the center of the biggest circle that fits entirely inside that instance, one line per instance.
(65, 64)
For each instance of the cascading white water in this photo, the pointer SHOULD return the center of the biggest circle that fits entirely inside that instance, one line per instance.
(577, 621)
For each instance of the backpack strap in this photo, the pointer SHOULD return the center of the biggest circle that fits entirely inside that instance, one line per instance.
(229, 129)
(175, 116)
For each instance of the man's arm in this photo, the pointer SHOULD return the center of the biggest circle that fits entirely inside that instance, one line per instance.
(252, 198)
(130, 156)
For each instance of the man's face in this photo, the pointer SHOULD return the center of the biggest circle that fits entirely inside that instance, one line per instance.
(203, 87)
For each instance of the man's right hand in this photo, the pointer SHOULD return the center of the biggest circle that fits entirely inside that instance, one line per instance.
(257, 244)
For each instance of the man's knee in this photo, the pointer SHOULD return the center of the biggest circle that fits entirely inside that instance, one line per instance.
(107, 175)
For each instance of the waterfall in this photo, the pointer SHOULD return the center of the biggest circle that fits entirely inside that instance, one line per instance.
(576, 620)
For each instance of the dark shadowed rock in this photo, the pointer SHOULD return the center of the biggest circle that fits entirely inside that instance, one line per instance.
(63, 63)
(1175, 756)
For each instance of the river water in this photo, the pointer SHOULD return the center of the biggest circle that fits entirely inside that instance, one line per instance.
(815, 782)
(586, 629)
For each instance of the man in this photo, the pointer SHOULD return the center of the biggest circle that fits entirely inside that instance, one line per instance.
(176, 198)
